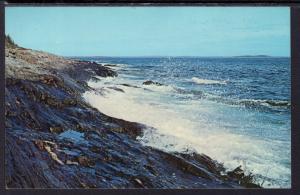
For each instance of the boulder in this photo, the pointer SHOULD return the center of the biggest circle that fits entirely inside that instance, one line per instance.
(149, 82)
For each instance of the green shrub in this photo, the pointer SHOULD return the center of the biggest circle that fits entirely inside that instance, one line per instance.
(10, 41)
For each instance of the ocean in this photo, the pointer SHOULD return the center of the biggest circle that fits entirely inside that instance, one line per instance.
(235, 110)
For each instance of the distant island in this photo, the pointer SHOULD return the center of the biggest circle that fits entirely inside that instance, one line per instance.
(253, 56)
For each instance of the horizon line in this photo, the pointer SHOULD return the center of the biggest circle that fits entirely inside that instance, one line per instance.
(157, 56)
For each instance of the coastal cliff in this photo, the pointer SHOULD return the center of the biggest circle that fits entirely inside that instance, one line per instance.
(54, 139)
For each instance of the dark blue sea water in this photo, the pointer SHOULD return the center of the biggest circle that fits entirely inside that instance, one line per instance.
(236, 110)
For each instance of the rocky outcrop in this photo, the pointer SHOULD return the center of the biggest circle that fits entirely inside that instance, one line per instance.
(54, 139)
(152, 83)
(85, 70)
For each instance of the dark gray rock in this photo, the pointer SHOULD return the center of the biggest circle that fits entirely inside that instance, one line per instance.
(152, 83)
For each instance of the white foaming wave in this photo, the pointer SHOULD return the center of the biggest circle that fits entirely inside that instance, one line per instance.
(122, 105)
(230, 149)
(102, 81)
(174, 132)
(114, 65)
(207, 81)
(160, 88)
(106, 63)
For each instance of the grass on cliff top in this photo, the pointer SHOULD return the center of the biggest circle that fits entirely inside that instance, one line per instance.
(9, 42)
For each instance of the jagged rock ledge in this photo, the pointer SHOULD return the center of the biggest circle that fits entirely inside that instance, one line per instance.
(54, 139)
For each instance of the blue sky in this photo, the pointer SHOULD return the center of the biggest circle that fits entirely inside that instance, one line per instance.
(151, 31)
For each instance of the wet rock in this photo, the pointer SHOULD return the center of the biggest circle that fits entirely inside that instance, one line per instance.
(18, 102)
(107, 158)
(11, 81)
(118, 130)
(69, 102)
(151, 169)
(39, 144)
(117, 89)
(110, 65)
(188, 167)
(130, 128)
(85, 161)
(50, 80)
(83, 71)
(56, 129)
(9, 113)
(206, 161)
(134, 132)
(236, 173)
(80, 127)
(53, 102)
(43, 96)
(152, 83)
(96, 149)
(95, 79)
(128, 85)
(83, 185)
(105, 72)
(242, 178)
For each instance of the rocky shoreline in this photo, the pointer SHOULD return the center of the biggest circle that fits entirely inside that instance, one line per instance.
(54, 139)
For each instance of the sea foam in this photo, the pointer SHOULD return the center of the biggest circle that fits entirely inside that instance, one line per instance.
(207, 81)
(172, 129)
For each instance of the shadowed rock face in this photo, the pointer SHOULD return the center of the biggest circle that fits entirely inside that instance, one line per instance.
(56, 140)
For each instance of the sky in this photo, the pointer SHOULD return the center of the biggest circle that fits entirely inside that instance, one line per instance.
(151, 31)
